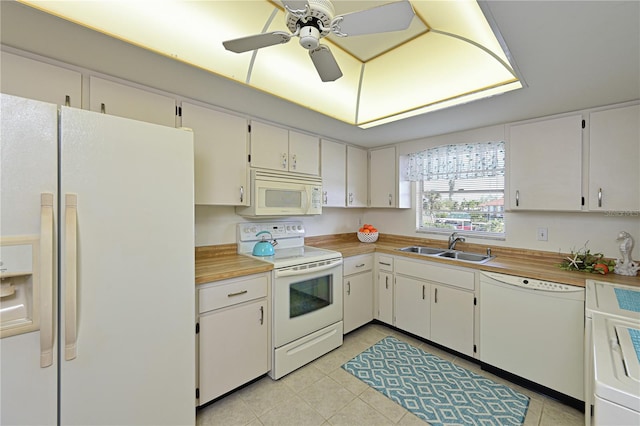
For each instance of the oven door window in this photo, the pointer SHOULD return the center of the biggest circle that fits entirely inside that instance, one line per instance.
(310, 295)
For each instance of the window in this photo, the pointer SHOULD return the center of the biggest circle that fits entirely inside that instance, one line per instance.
(460, 188)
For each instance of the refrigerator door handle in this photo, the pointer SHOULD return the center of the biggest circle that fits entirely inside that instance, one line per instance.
(46, 279)
(71, 272)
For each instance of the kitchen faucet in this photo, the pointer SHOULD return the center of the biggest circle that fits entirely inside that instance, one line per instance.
(453, 240)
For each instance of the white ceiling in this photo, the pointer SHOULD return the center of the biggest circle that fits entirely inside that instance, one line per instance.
(571, 55)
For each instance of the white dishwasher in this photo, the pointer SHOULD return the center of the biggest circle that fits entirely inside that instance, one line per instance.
(533, 329)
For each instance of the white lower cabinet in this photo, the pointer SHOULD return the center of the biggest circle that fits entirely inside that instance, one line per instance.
(436, 302)
(234, 334)
(452, 315)
(358, 291)
(383, 295)
(412, 306)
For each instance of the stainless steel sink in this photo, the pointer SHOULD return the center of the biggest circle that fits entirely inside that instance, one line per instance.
(467, 257)
(448, 254)
(422, 250)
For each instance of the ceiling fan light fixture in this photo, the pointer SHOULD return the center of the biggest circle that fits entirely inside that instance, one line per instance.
(309, 37)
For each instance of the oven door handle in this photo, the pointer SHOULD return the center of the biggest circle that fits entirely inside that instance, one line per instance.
(291, 272)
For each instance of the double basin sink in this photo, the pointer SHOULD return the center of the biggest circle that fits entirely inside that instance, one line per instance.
(448, 254)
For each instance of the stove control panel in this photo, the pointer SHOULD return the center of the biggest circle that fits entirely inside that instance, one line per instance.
(290, 229)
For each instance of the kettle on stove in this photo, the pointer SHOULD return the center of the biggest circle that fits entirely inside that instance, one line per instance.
(264, 247)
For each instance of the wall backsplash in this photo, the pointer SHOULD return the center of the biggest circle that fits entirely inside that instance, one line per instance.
(566, 231)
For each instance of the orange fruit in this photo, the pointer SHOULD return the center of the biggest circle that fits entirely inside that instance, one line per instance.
(366, 231)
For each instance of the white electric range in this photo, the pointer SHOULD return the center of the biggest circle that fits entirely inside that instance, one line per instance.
(306, 293)
(612, 348)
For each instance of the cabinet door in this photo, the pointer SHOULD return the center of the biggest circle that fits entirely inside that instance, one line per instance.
(37, 80)
(358, 300)
(385, 297)
(452, 314)
(304, 153)
(333, 168)
(614, 159)
(382, 177)
(234, 348)
(220, 150)
(545, 165)
(356, 177)
(269, 147)
(412, 306)
(130, 102)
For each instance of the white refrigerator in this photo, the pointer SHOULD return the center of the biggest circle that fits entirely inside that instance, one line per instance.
(97, 267)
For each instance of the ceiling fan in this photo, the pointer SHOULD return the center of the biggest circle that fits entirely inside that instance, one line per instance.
(311, 20)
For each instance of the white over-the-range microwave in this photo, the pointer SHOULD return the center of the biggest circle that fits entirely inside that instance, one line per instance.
(282, 194)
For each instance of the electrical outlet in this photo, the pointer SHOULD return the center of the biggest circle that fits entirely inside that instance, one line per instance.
(542, 234)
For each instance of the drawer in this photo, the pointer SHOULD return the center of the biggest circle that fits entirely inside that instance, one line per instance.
(441, 274)
(385, 263)
(232, 292)
(357, 264)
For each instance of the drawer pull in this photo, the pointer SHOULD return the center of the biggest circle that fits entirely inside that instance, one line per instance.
(240, 293)
(261, 315)
(360, 265)
(384, 263)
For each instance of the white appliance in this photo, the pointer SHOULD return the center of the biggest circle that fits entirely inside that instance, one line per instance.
(607, 393)
(306, 294)
(616, 353)
(533, 329)
(283, 194)
(98, 295)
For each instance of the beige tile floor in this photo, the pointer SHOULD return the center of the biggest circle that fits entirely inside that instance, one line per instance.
(322, 393)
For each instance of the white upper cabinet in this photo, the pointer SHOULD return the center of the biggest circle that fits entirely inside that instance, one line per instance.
(276, 148)
(304, 153)
(545, 164)
(382, 177)
(220, 150)
(333, 169)
(356, 177)
(614, 159)
(37, 80)
(385, 187)
(130, 102)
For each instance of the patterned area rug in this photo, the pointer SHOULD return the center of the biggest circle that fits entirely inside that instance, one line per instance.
(434, 389)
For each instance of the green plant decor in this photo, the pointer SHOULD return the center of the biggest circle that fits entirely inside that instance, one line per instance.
(584, 261)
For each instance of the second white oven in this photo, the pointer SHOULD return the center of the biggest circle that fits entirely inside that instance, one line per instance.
(306, 298)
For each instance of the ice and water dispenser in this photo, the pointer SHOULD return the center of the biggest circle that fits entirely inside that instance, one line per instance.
(18, 286)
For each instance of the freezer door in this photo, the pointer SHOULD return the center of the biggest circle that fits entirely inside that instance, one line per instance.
(127, 272)
(28, 169)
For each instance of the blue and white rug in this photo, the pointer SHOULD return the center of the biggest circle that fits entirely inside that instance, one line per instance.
(436, 390)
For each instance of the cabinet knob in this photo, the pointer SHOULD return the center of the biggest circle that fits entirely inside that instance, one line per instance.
(390, 199)
(242, 194)
(517, 198)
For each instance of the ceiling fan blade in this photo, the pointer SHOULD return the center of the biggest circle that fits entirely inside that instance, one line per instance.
(325, 63)
(295, 5)
(381, 19)
(245, 44)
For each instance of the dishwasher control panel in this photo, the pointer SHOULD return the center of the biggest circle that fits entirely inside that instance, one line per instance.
(532, 284)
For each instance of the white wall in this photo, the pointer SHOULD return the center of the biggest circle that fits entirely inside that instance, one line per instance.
(566, 231)
(217, 224)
